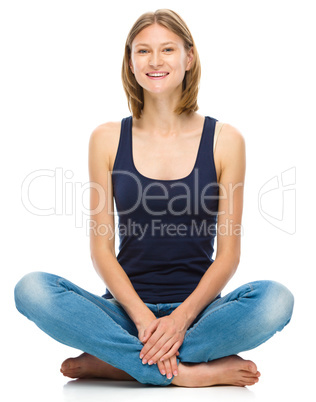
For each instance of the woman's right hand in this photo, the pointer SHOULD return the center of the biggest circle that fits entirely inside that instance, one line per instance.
(169, 366)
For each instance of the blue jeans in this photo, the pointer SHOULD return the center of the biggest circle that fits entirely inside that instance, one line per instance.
(239, 321)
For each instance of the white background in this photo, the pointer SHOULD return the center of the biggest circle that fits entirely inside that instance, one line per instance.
(60, 78)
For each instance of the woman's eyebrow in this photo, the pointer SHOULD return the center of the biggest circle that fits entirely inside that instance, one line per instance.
(162, 44)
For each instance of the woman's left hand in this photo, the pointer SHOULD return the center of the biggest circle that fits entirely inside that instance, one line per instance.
(162, 339)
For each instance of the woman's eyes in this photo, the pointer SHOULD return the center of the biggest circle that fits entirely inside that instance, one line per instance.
(167, 50)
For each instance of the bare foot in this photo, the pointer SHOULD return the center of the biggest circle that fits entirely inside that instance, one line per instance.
(230, 370)
(87, 366)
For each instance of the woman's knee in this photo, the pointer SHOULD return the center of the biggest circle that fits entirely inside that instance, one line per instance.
(29, 291)
(277, 301)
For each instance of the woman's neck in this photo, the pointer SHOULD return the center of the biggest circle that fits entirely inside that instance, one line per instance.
(158, 114)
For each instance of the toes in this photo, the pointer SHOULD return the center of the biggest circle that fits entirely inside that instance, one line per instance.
(250, 381)
(68, 374)
(252, 367)
(254, 381)
(67, 364)
(72, 373)
(247, 373)
(70, 368)
(248, 365)
(249, 377)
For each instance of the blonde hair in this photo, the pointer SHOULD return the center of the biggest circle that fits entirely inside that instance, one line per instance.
(190, 85)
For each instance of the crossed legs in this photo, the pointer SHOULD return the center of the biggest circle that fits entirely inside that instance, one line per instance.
(239, 321)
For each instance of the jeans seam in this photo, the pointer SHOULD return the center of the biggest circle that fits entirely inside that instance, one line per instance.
(100, 309)
(94, 298)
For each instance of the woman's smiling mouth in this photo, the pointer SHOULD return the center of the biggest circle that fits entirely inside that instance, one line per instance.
(157, 75)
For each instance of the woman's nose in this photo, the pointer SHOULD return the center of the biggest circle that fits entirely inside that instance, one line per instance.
(155, 59)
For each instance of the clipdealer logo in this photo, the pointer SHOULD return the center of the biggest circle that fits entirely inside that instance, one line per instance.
(64, 196)
(277, 201)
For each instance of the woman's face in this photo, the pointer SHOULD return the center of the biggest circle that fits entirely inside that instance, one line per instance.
(158, 51)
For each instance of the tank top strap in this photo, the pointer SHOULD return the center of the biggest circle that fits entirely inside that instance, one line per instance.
(206, 155)
(123, 160)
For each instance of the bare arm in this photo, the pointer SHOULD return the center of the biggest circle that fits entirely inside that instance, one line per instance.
(102, 239)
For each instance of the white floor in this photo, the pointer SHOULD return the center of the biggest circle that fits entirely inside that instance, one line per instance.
(36, 387)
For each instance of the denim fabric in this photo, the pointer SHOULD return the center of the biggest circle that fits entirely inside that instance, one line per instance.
(239, 321)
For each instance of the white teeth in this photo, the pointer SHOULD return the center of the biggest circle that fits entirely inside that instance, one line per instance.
(157, 74)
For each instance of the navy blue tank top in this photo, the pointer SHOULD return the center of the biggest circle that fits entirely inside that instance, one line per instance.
(166, 228)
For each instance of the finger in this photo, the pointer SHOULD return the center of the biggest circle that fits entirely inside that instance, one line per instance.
(161, 367)
(165, 352)
(171, 351)
(174, 365)
(168, 368)
(159, 349)
(150, 330)
(151, 335)
(146, 353)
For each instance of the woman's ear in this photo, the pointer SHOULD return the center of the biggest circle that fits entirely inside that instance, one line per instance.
(190, 58)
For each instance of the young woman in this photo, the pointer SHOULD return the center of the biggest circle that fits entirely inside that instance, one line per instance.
(177, 179)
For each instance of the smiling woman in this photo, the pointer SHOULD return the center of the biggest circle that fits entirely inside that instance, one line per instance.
(163, 29)
(162, 319)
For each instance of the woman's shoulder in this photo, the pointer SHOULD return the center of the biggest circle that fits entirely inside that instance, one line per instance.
(106, 134)
(106, 130)
(230, 146)
(229, 133)
(229, 138)
(104, 140)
